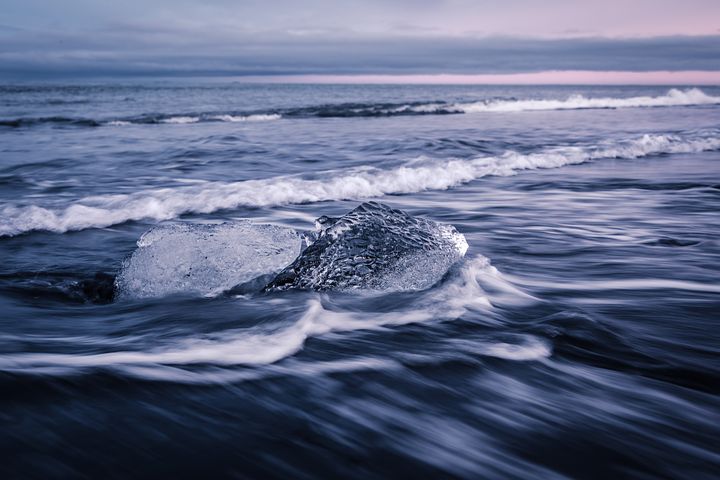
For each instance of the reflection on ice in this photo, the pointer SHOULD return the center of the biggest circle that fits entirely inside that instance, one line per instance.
(204, 259)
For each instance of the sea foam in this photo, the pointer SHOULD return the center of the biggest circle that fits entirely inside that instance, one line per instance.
(181, 120)
(245, 118)
(672, 98)
(348, 184)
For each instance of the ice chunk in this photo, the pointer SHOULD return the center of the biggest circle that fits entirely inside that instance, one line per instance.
(204, 259)
(374, 247)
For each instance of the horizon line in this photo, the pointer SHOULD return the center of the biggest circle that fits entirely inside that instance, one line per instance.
(565, 77)
(683, 78)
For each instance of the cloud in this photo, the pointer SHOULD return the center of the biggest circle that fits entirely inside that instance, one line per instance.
(284, 37)
(142, 50)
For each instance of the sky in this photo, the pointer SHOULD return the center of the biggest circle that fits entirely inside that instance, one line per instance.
(451, 41)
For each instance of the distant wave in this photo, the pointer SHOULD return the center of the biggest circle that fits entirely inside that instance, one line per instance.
(58, 120)
(215, 118)
(357, 183)
(247, 118)
(673, 98)
(139, 120)
(179, 120)
(350, 110)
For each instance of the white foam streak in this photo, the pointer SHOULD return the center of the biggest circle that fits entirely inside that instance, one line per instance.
(526, 348)
(181, 120)
(233, 348)
(352, 184)
(263, 345)
(626, 284)
(246, 118)
(170, 373)
(238, 348)
(673, 98)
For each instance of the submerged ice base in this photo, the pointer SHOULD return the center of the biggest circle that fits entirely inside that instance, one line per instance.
(374, 247)
(204, 259)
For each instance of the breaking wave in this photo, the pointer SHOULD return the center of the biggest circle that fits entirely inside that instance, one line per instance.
(348, 184)
(673, 98)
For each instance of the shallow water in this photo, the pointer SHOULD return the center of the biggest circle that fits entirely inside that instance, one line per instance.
(578, 338)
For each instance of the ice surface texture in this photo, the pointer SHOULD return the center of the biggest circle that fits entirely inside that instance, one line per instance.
(204, 259)
(374, 247)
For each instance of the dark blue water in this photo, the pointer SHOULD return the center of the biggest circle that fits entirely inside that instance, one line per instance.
(577, 339)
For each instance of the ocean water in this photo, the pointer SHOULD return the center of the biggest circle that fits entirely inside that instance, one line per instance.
(578, 337)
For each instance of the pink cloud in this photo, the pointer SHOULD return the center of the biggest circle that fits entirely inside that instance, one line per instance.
(539, 78)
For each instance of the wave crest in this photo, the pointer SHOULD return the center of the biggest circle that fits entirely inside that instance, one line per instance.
(673, 98)
(350, 184)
